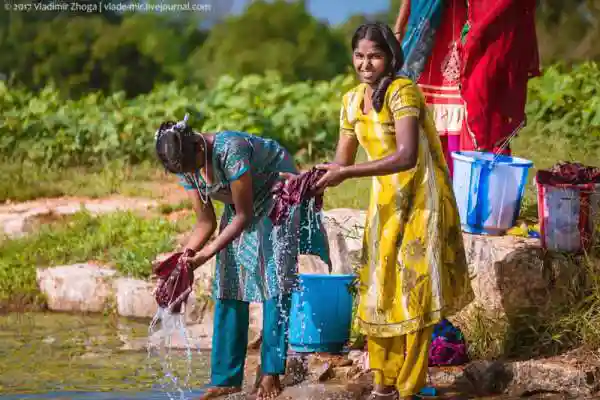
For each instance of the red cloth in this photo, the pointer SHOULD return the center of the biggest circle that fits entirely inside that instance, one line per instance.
(293, 191)
(175, 282)
(440, 79)
(499, 57)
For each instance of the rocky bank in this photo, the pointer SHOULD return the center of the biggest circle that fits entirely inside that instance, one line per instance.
(509, 275)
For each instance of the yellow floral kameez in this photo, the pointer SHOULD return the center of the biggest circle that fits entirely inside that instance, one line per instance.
(414, 270)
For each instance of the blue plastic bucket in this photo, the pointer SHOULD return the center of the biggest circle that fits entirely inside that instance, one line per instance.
(488, 192)
(321, 314)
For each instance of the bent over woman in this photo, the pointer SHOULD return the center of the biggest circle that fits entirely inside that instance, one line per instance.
(256, 259)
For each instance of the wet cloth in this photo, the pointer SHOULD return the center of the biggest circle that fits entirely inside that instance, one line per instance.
(500, 55)
(261, 263)
(174, 284)
(293, 192)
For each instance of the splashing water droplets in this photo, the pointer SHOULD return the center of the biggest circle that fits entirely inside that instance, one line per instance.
(160, 344)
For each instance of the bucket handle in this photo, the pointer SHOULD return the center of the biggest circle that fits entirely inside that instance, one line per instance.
(506, 143)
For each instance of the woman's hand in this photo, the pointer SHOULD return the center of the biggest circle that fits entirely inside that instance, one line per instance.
(333, 177)
(196, 260)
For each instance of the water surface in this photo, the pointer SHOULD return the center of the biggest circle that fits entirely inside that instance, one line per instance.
(63, 356)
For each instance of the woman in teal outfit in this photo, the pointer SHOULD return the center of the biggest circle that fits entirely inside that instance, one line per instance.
(256, 260)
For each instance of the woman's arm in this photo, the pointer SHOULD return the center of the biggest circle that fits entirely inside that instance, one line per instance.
(402, 20)
(206, 222)
(241, 190)
(404, 158)
(345, 153)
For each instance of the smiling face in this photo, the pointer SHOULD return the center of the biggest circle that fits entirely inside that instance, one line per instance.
(369, 61)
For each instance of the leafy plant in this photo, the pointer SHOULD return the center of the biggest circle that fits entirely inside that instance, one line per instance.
(567, 103)
(90, 131)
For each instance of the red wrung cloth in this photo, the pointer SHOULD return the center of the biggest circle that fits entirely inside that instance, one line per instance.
(569, 174)
(293, 192)
(500, 55)
(175, 282)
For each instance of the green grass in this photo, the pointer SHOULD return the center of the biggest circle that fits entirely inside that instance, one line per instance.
(29, 181)
(127, 241)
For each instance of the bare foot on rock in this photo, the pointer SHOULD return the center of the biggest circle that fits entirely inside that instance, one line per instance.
(269, 387)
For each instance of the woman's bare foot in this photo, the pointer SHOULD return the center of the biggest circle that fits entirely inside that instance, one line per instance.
(215, 392)
(269, 387)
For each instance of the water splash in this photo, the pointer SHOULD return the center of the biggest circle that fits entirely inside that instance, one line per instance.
(160, 344)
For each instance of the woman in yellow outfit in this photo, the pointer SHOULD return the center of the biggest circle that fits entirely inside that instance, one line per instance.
(414, 270)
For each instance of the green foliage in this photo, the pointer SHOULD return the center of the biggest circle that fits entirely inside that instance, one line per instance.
(566, 103)
(135, 51)
(279, 36)
(126, 240)
(97, 52)
(94, 129)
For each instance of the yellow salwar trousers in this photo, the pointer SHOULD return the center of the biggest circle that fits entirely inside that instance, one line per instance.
(401, 361)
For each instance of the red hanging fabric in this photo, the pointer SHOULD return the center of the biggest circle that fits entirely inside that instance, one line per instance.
(500, 55)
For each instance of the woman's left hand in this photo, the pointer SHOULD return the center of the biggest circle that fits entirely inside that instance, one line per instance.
(333, 177)
(197, 260)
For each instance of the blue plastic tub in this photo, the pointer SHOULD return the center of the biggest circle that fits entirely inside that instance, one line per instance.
(488, 193)
(321, 315)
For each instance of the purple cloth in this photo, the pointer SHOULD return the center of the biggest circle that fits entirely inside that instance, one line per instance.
(294, 191)
(444, 352)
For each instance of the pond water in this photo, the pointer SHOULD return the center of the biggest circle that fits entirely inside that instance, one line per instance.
(63, 356)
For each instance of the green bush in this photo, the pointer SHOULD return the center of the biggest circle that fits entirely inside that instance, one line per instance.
(45, 129)
(566, 102)
(303, 116)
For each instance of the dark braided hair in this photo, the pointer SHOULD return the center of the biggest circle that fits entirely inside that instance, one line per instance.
(382, 35)
(176, 147)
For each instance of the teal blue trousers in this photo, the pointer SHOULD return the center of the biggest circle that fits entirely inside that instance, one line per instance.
(230, 339)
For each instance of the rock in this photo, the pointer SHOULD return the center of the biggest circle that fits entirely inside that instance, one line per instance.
(79, 287)
(308, 264)
(296, 371)
(344, 228)
(573, 373)
(15, 218)
(134, 298)
(356, 356)
(450, 377)
(320, 369)
(322, 392)
(511, 277)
